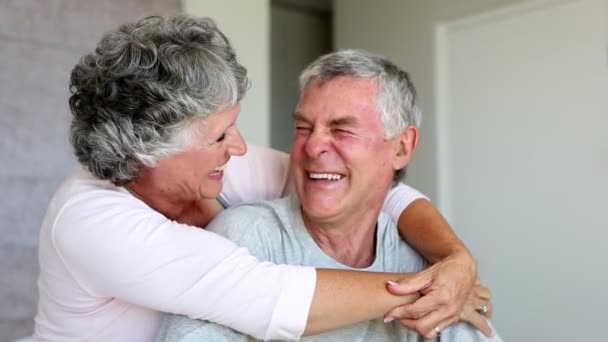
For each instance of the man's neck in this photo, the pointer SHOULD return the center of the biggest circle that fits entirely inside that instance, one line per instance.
(351, 241)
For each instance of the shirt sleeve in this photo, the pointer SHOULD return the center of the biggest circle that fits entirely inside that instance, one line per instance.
(260, 174)
(399, 198)
(114, 248)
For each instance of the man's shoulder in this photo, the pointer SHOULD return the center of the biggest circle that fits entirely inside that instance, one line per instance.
(185, 329)
(256, 225)
(254, 214)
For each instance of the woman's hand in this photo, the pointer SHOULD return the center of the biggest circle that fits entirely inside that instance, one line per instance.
(445, 287)
(478, 309)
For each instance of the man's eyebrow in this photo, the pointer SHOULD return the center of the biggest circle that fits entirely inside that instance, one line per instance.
(345, 121)
(298, 116)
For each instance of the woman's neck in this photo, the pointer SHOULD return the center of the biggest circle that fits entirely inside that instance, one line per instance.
(194, 212)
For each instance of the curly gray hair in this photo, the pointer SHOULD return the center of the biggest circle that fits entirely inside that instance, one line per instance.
(133, 99)
(396, 97)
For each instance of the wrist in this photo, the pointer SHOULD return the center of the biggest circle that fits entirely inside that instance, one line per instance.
(463, 256)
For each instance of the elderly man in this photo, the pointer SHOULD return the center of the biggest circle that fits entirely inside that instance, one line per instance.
(356, 130)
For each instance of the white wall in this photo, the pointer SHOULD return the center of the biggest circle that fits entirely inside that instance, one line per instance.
(539, 230)
(247, 24)
(403, 31)
(526, 162)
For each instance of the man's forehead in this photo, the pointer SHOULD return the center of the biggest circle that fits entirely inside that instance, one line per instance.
(343, 100)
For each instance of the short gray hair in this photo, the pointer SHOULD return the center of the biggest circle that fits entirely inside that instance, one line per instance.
(134, 98)
(396, 97)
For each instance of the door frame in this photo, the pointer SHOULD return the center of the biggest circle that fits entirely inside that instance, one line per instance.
(441, 92)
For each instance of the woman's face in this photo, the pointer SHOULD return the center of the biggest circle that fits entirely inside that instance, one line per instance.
(197, 172)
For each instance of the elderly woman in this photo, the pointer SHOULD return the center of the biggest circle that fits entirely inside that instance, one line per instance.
(154, 126)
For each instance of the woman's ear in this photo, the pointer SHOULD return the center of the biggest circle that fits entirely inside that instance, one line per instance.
(404, 147)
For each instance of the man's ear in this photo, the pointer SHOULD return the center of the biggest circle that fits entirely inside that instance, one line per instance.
(404, 147)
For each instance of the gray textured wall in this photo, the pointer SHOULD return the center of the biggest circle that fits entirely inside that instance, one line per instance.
(40, 41)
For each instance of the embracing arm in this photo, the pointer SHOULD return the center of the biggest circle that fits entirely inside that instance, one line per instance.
(422, 226)
(117, 248)
(447, 283)
(343, 298)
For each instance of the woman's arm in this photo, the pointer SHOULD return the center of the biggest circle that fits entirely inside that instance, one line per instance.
(423, 227)
(116, 247)
(344, 298)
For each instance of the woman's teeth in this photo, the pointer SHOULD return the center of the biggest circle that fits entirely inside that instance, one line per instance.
(219, 168)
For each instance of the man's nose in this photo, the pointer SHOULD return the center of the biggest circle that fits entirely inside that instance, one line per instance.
(317, 143)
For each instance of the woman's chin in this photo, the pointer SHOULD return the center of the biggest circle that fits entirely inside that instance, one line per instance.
(211, 190)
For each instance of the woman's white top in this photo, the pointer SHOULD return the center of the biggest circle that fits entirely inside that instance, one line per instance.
(110, 265)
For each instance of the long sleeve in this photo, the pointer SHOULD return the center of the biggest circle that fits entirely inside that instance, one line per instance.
(114, 246)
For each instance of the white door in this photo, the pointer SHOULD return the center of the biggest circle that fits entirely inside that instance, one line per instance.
(523, 123)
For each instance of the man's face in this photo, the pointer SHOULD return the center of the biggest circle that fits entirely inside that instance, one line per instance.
(341, 163)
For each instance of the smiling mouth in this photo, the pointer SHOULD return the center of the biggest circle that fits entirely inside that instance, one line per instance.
(219, 169)
(325, 176)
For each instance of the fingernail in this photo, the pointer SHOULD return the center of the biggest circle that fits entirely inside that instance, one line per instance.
(388, 319)
(390, 282)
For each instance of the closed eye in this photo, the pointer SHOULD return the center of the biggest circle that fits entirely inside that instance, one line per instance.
(303, 129)
(341, 131)
(221, 138)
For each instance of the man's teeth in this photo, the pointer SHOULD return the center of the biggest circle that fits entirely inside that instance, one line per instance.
(328, 176)
(219, 168)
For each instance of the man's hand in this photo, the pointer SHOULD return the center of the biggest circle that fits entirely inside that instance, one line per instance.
(445, 287)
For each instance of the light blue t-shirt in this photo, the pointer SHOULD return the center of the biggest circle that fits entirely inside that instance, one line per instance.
(274, 231)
